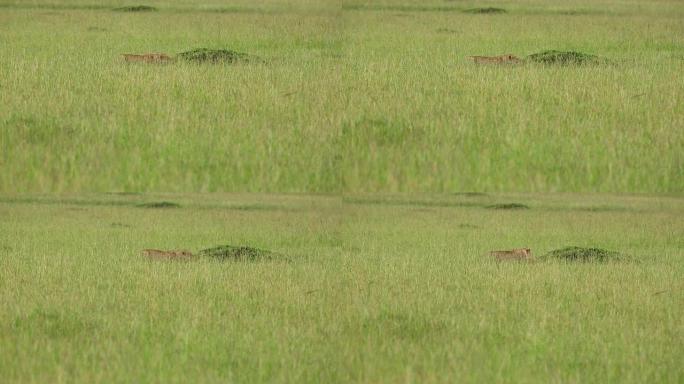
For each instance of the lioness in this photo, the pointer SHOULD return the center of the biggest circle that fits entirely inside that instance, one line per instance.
(518, 254)
(157, 254)
(147, 58)
(503, 59)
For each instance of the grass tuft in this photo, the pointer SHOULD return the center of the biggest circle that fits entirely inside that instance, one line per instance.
(236, 253)
(584, 254)
(487, 10)
(562, 57)
(136, 8)
(508, 206)
(158, 204)
(205, 55)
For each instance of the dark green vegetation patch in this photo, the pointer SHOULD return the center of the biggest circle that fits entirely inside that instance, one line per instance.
(159, 204)
(399, 8)
(404, 326)
(417, 203)
(124, 193)
(205, 55)
(488, 10)
(584, 254)
(603, 208)
(470, 194)
(576, 12)
(562, 57)
(508, 206)
(136, 8)
(120, 225)
(467, 226)
(233, 253)
(52, 324)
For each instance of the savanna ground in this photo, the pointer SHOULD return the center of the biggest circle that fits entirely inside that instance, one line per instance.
(370, 117)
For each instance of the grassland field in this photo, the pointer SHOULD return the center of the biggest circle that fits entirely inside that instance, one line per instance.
(353, 97)
(370, 155)
(368, 289)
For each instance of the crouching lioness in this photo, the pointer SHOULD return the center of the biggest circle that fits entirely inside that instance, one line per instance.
(518, 254)
(158, 58)
(503, 59)
(157, 254)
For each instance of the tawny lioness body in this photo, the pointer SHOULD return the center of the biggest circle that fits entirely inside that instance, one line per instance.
(521, 254)
(503, 59)
(157, 254)
(147, 58)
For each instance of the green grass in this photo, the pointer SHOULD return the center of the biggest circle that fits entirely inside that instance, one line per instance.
(380, 273)
(351, 97)
(372, 289)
